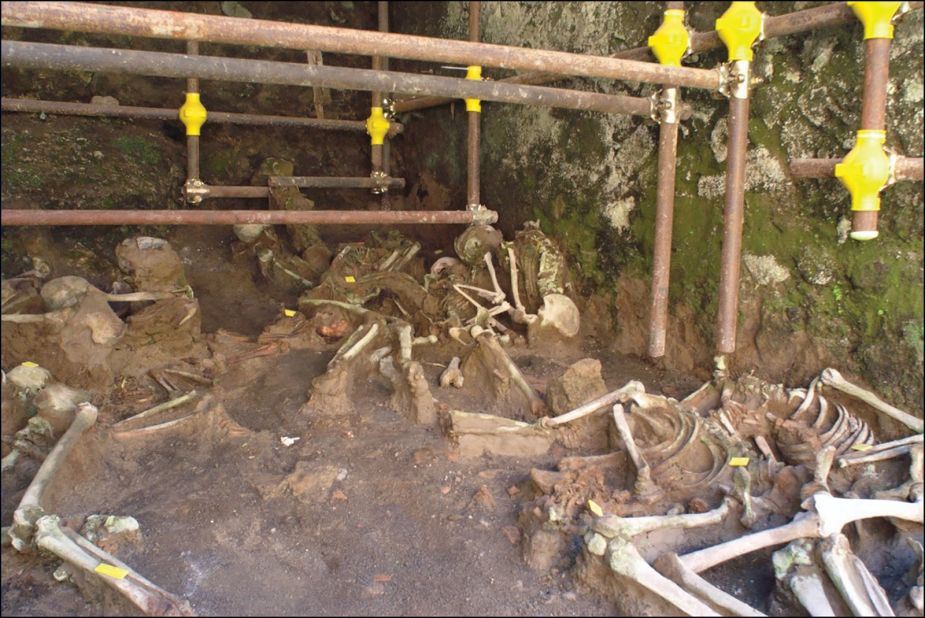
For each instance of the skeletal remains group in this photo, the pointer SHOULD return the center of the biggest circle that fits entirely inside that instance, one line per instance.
(682, 487)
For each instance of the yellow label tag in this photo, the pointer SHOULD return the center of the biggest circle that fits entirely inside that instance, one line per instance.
(738, 462)
(289, 313)
(112, 571)
(860, 447)
(30, 364)
(595, 508)
(350, 279)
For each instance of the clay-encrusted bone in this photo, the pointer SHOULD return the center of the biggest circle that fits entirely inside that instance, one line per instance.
(30, 507)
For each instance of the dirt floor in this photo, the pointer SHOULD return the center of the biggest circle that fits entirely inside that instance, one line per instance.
(364, 514)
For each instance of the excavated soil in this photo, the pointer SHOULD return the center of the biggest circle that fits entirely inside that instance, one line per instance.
(365, 514)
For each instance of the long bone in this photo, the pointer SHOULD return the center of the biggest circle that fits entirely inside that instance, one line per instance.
(857, 586)
(30, 509)
(621, 395)
(83, 555)
(914, 486)
(624, 559)
(831, 377)
(829, 516)
(670, 566)
(500, 295)
(795, 568)
(519, 313)
(879, 452)
(643, 485)
(490, 342)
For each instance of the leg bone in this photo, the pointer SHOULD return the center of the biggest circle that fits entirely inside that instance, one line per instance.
(857, 586)
(30, 509)
(80, 553)
(644, 485)
(831, 377)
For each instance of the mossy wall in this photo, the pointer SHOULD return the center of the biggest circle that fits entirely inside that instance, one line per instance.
(809, 297)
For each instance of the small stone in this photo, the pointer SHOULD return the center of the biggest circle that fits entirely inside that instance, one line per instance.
(339, 495)
(677, 509)
(100, 100)
(512, 534)
(248, 232)
(235, 9)
(423, 455)
(452, 456)
(765, 269)
(119, 525)
(597, 545)
(61, 574)
(484, 499)
(513, 490)
(445, 490)
(488, 474)
(698, 505)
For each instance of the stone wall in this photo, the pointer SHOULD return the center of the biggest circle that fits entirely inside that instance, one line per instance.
(809, 297)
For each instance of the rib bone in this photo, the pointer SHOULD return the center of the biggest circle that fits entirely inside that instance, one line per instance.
(831, 377)
(30, 509)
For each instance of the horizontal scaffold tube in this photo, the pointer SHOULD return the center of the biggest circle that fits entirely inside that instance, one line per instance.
(159, 24)
(807, 20)
(16, 217)
(160, 64)
(907, 168)
(336, 182)
(165, 113)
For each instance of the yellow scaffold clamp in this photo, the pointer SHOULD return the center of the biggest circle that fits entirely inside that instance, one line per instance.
(193, 113)
(377, 126)
(877, 18)
(739, 28)
(475, 74)
(669, 43)
(865, 171)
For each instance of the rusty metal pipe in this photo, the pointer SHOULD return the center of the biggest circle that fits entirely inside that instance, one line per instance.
(733, 222)
(907, 168)
(64, 108)
(873, 110)
(807, 20)
(664, 219)
(473, 181)
(124, 61)
(159, 24)
(192, 141)
(19, 217)
(335, 182)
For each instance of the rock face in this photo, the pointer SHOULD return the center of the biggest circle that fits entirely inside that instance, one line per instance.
(580, 383)
(590, 182)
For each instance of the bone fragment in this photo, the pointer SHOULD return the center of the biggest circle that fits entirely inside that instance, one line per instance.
(831, 377)
(361, 343)
(830, 515)
(452, 375)
(163, 407)
(643, 485)
(671, 566)
(83, 555)
(621, 395)
(613, 526)
(810, 592)
(857, 586)
(30, 509)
